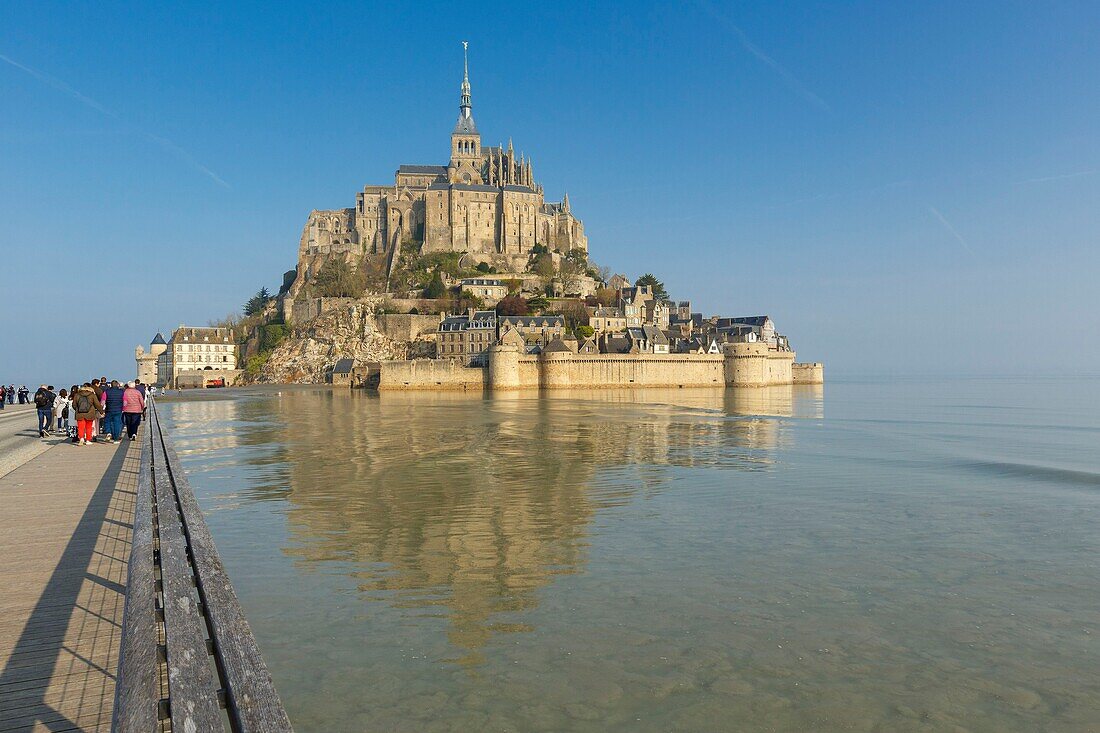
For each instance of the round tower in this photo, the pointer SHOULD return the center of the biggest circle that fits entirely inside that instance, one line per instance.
(504, 366)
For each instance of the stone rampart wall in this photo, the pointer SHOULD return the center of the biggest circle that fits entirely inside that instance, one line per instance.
(743, 365)
(431, 374)
(605, 370)
(808, 373)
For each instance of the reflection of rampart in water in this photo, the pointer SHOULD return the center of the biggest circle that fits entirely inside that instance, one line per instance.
(468, 504)
(471, 505)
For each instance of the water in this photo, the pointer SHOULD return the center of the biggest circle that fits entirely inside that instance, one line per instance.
(871, 556)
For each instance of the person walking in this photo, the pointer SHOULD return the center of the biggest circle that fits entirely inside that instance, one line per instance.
(112, 411)
(23, 392)
(88, 408)
(133, 404)
(61, 410)
(98, 388)
(43, 403)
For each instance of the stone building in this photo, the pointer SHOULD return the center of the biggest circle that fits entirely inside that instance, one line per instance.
(490, 290)
(537, 331)
(198, 357)
(467, 337)
(603, 318)
(147, 360)
(485, 201)
(340, 373)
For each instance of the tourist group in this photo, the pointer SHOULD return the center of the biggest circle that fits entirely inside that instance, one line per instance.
(100, 408)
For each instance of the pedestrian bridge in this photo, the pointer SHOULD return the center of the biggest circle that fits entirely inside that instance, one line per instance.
(117, 612)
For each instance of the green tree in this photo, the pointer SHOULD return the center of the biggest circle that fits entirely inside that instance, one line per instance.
(436, 288)
(537, 303)
(651, 280)
(256, 304)
(584, 332)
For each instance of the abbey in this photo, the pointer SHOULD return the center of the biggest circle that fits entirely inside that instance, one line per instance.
(485, 202)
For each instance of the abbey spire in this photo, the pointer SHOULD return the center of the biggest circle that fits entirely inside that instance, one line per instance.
(466, 155)
(465, 124)
(464, 107)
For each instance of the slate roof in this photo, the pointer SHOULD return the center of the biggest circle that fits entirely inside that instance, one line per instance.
(454, 323)
(343, 366)
(745, 320)
(482, 281)
(533, 321)
(465, 126)
(462, 187)
(692, 345)
(617, 345)
(557, 346)
(158, 339)
(439, 170)
(655, 335)
(484, 319)
(518, 188)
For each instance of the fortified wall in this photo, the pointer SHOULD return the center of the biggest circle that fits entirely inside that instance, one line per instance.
(742, 365)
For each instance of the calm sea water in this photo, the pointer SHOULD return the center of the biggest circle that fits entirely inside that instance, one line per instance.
(871, 556)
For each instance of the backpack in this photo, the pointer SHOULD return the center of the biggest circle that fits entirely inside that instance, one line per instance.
(41, 400)
(83, 403)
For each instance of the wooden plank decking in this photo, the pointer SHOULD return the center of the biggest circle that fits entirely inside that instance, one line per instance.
(65, 526)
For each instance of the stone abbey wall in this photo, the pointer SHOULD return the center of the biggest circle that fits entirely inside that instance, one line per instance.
(743, 365)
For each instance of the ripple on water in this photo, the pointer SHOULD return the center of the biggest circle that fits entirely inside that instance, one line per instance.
(664, 561)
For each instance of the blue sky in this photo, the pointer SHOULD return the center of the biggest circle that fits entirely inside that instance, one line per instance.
(904, 188)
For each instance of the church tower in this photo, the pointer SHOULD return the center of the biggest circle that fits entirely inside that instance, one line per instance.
(466, 157)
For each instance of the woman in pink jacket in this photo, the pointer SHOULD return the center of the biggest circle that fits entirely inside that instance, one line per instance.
(133, 404)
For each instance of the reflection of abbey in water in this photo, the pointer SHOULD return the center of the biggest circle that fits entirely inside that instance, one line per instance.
(473, 505)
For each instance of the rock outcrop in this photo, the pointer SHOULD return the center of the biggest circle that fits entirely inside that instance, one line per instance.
(351, 331)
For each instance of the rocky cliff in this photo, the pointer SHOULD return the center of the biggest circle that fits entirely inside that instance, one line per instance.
(350, 331)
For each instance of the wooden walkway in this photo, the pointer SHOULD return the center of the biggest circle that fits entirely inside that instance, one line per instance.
(65, 526)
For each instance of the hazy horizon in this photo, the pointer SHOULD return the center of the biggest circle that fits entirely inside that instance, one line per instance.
(905, 191)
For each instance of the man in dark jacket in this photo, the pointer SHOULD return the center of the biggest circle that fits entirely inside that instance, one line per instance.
(112, 408)
(43, 402)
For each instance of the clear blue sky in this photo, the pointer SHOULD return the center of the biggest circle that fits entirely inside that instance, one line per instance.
(903, 187)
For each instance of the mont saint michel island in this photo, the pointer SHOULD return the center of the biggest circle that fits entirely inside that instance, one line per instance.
(464, 276)
(481, 383)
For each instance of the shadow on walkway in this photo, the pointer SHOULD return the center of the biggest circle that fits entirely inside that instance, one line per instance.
(60, 675)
